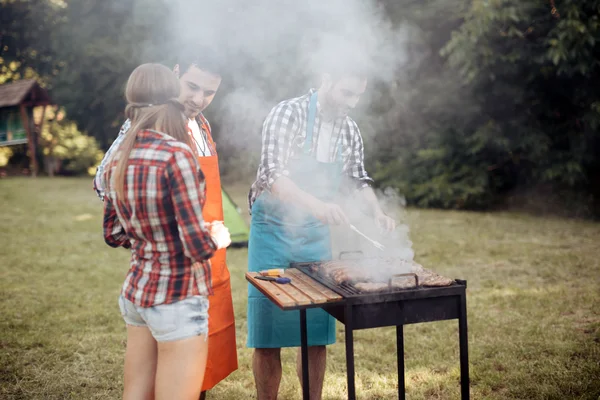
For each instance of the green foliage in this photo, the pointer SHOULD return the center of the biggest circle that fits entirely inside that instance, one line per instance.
(495, 96)
(27, 44)
(5, 154)
(452, 171)
(67, 150)
(100, 44)
(526, 111)
(548, 64)
(89, 49)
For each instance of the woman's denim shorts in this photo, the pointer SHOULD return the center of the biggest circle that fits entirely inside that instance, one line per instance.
(167, 322)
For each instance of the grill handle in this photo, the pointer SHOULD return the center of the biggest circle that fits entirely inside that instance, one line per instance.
(412, 274)
(350, 252)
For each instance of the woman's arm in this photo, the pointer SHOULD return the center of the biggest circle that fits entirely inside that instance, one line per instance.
(114, 233)
(187, 191)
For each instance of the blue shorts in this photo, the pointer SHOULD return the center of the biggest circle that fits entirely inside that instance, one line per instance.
(167, 322)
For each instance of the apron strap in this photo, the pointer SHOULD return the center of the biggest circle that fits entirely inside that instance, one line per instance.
(310, 123)
(205, 127)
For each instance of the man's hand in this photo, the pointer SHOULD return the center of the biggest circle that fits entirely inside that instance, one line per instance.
(329, 213)
(384, 222)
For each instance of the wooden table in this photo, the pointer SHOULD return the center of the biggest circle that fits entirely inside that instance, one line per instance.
(302, 293)
(367, 311)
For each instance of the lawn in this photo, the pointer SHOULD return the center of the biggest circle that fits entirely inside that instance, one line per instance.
(533, 306)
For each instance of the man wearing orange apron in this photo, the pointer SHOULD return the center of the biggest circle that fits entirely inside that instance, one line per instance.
(222, 351)
(199, 84)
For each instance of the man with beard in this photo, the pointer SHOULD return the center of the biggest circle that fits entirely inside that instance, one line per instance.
(309, 146)
(200, 80)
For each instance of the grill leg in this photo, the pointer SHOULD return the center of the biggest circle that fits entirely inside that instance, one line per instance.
(350, 353)
(400, 350)
(304, 353)
(464, 349)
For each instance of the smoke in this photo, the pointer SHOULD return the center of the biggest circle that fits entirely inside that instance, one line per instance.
(397, 244)
(272, 50)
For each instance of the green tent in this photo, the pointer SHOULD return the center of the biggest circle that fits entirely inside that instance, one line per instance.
(238, 229)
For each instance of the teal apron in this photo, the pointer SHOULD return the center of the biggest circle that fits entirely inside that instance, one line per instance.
(283, 233)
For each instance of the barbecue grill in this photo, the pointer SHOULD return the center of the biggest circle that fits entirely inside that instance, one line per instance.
(363, 310)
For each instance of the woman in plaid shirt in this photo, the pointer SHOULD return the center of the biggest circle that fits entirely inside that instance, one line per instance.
(155, 193)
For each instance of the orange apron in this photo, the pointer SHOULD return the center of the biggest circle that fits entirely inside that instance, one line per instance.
(222, 349)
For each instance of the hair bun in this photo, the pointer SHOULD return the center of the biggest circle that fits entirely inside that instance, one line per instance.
(175, 103)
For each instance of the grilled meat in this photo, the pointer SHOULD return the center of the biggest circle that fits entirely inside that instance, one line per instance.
(404, 282)
(371, 286)
(430, 278)
(346, 275)
(373, 275)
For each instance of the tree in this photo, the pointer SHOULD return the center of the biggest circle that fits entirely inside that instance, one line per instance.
(67, 150)
(26, 38)
(528, 73)
(99, 44)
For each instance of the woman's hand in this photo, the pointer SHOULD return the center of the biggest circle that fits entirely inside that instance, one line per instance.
(220, 234)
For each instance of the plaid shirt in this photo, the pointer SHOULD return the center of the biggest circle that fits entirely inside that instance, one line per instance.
(99, 178)
(161, 220)
(283, 136)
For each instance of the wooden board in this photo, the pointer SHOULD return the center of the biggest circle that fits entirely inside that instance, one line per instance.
(309, 285)
(302, 292)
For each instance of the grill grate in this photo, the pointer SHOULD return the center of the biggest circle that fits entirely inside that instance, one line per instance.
(351, 290)
(345, 289)
(348, 290)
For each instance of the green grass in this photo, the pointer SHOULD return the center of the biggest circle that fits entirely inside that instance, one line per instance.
(533, 306)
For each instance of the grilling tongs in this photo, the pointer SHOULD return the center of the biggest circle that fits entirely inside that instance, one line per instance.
(375, 243)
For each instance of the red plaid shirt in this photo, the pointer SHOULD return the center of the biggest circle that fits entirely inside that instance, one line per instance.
(161, 221)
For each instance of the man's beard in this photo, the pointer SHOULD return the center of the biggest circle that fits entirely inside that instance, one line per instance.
(192, 113)
(329, 107)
